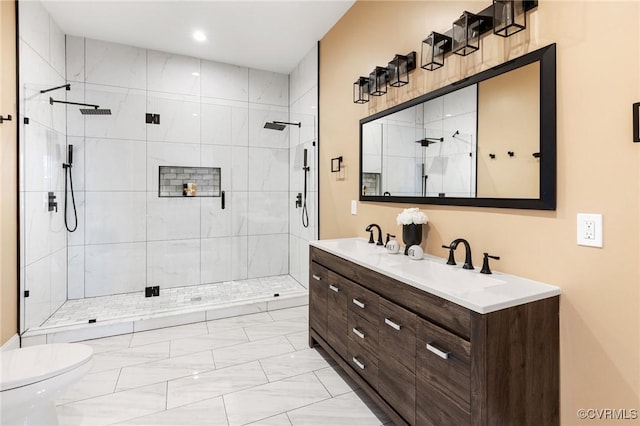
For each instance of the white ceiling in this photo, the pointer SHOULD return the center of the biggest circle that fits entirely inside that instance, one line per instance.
(267, 35)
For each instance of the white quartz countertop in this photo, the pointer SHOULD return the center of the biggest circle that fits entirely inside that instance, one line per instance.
(481, 293)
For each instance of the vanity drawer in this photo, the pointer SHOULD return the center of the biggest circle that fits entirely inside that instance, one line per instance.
(318, 287)
(397, 333)
(363, 362)
(364, 303)
(443, 377)
(362, 331)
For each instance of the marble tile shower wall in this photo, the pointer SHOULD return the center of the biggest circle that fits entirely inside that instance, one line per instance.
(303, 107)
(43, 254)
(211, 115)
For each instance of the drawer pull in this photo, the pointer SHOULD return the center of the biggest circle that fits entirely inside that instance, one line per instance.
(358, 303)
(358, 363)
(316, 277)
(358, 333)
(442, 354)
(334, 288)
(392, 324)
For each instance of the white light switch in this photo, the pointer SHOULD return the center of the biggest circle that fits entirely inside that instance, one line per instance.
(354, 207)
(589, 229)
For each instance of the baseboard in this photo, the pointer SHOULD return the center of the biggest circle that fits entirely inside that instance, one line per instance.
(12, 343)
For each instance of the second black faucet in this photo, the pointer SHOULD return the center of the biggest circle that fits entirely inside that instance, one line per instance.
(370, 231)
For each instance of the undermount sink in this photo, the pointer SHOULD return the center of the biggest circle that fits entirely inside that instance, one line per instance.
(449, 277)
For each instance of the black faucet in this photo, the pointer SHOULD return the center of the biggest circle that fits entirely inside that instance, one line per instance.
(468, 264)
(370, 231)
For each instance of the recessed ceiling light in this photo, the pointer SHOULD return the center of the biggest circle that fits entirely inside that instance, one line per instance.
(199, 36)
(195, 74)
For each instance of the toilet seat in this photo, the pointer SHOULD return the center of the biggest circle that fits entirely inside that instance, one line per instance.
(25, 366)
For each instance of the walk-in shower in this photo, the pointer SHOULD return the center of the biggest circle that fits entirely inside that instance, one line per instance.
(201, 260)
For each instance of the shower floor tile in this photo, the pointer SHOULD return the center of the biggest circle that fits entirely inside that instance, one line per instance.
(172, 300)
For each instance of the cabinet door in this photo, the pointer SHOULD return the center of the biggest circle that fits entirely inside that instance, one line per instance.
(443, 386)
(318, 287)
(337, 313)
(397, 358)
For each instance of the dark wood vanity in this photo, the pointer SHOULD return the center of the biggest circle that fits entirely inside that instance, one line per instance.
(428, 361)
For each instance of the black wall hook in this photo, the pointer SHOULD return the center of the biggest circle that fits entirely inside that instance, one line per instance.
(511, 153)
(493, 156)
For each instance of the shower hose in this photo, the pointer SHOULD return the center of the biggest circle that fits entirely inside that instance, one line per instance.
(67, 168)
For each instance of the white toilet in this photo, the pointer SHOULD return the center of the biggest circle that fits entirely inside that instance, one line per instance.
(31, 378)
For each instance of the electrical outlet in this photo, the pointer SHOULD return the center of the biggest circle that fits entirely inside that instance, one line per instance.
(589, 229)
(354, 207)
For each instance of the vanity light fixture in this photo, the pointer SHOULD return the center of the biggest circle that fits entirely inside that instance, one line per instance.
(399, 69)
(361, 90)
(509, 17)
(433, 49)
(466, 33)
(378, 79)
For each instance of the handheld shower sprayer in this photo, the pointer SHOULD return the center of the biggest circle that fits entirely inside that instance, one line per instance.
(68, 177)
(305, 212)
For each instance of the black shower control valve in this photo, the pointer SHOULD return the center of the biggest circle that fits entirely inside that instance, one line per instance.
(53, 204)
(299, 200)
(7, 118)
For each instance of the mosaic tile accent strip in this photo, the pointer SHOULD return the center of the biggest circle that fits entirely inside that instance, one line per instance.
(119, 306)
(173, 178)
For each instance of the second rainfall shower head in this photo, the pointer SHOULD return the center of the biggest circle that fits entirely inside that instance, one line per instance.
(279, 125)
(92, 110)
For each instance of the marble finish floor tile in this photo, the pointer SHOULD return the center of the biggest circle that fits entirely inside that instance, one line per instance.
(279, 420)
(90, 386)
(251, 351)
(130, 356)
(164, 370)
(294, 363)
(115, 407)
(336, 381)
(299, 340)
(209, 412)
(239, 321)
(210, 373)
(273, 398)
(277, 328)
(214, 383)
(203, 342)
(168, 333)
(290, 313)
(345, 410)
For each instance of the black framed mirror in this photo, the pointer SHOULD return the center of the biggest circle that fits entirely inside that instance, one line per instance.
(488, 140)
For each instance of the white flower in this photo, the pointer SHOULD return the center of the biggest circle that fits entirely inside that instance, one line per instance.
(413, 215)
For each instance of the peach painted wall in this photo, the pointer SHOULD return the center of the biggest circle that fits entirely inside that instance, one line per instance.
(8, 170)
(598, 69)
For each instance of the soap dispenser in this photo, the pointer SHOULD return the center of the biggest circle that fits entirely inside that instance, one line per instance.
(392, 245)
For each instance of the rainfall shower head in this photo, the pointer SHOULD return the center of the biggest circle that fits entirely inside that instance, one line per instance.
(93, 110)
(279, 125)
